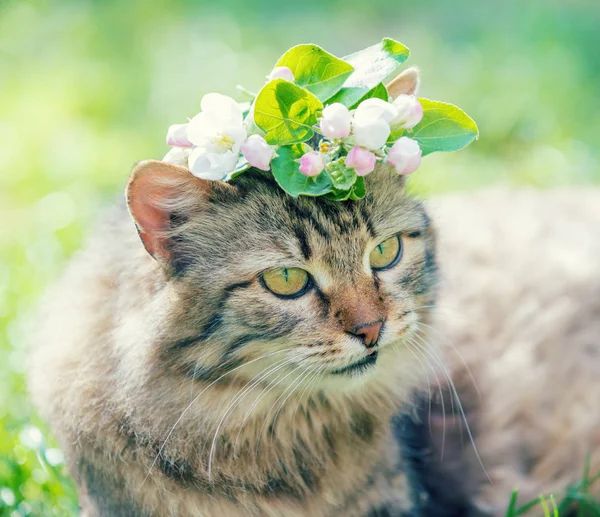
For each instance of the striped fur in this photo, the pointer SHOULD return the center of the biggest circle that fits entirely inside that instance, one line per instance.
(156, 353)
(138, 361)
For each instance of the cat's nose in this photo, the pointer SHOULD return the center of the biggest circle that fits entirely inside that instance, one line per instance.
(369, 333)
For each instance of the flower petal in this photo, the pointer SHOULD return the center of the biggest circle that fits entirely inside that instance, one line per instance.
(281, 72)
(178, 156)
(361, 160)
(410, 112)
(376, 108)
(257, 152)
(200, 129)
(211, 166)
(370, 131)
(177, 136)
(221, 107)
(312, 163)
(335, 122)
(405, 155)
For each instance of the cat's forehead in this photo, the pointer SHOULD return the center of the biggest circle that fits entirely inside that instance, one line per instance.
(385, 205)
(257, 225)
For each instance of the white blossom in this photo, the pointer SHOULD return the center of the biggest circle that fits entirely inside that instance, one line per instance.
(217, 133)
(211, 166)
(335, 122)
(177, 156)
(409, 112)
(371, 123)
(177, 136)
(281, 72)
(257, 152)
(405, 155)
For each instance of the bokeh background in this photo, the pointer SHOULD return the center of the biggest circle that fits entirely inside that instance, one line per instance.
(89, 87)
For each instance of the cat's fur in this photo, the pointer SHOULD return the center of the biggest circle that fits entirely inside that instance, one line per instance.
(160, 360)
(520, 302)
(132, 343)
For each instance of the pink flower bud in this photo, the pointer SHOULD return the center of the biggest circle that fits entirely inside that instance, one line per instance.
(410, 112)
(177, 136)
(312, 163)
(281, 72)
(336, 121)
(258, 153)
(361, 160)
(405, 155)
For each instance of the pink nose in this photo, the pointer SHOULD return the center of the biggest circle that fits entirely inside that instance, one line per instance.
(369, 333)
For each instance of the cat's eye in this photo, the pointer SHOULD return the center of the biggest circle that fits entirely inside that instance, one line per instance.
(289, 282)
(386, 254)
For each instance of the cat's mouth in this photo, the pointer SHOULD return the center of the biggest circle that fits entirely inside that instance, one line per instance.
(359, 367)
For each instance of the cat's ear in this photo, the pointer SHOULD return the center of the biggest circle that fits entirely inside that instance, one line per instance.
(159, 195)
(406, 83)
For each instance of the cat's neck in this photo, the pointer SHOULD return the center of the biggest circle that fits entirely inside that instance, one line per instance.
(293, 443)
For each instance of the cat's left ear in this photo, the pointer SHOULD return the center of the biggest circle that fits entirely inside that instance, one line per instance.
(160, 196)
(406, 83)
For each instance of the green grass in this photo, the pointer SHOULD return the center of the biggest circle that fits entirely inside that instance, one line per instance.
(576, 502)
(88, 87)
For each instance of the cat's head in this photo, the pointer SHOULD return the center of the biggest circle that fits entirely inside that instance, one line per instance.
(295, 288)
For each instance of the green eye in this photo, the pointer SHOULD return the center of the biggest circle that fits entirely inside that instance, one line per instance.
(288, 282)
(386, 254)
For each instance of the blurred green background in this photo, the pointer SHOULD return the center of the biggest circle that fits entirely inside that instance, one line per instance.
(87, 88)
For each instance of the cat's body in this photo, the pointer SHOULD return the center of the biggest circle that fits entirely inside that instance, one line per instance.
(520, 302)
(137, 362)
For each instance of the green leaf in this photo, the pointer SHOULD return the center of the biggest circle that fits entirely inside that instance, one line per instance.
(286, 112)
(342, 177)
(357, 191)
(286, 173)
(338, 195)
(241, 167)
(316, 70)
(371, 66)
(379, 92)
(444, 127)
(394, 135)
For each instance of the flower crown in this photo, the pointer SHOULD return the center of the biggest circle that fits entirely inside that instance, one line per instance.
(320, 124)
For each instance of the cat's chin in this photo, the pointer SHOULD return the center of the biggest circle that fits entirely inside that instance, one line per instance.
(392, 369)
(359, 375)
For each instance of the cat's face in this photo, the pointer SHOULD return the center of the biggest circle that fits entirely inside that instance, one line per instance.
(285, 290)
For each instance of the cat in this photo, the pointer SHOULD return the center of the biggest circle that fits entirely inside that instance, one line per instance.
(226, 349)
(150, 345)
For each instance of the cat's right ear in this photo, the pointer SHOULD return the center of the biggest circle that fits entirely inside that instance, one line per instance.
(158, 195)
(406, 83)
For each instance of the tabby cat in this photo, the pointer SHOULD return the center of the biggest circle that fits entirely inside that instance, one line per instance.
(238, 352)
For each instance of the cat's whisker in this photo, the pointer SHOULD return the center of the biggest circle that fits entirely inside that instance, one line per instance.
(432, 354)
(275, 368)
(238, 398)
(455, 348)
(424, 332)
(161, 448)
(440, 391)
(428, 346)
(250, 384)
(310, 383)
(192, 380)
(439, 308)
(423, 362)
(268, 413)
(302, 377)
(265, 391)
